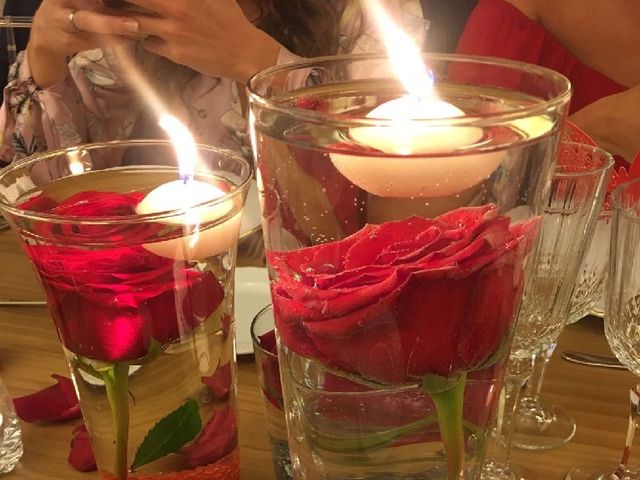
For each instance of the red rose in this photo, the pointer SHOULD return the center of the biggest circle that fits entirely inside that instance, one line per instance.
(111, 303)
(400, 300)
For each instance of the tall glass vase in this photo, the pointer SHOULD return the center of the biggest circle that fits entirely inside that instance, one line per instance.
(137, 264)
(397, 250)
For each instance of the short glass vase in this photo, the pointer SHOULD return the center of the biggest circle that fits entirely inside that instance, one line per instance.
(137, 263)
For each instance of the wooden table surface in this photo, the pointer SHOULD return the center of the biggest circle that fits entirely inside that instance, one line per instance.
(30, 353)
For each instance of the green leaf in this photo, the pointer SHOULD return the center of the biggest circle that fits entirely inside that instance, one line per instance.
(170, 434)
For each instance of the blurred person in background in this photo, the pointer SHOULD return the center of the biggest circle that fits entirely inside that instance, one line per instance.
(196, 54)
(594, 43)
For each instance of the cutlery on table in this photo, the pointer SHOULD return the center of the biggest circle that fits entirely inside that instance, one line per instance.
(592, 360)
(8, 302)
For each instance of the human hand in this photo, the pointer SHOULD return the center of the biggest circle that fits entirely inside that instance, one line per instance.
(62, 28)
(613, 122)
(213, 37)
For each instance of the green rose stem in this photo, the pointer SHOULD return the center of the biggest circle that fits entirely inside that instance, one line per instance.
(116, 380)
(449, 404)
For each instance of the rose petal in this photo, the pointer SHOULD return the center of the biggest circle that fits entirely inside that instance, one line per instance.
(81, 454)
(268, 342)
(218, 438)
(219, 382)
(40, 203)
(52, 404)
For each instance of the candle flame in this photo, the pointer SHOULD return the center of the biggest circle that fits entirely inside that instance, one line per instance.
(404, 55)
(183, 143)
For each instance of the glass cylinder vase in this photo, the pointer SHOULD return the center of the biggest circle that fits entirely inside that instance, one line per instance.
(137, 263)
(397, 250)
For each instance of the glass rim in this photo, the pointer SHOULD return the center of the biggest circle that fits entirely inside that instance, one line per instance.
(256, 342)
(608, 161)
(123, 219)
(535, 109)
(619, 208)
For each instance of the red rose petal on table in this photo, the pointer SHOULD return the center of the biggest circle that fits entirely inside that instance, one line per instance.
(220, 381)
(218, 438)
(81, 454)
(55, 403)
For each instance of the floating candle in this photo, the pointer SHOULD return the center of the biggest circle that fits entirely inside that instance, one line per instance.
(196, 203)
(197, 200)
(403, 171)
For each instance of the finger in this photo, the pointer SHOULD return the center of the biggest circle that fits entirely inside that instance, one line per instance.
(94, 22)
(157, 26)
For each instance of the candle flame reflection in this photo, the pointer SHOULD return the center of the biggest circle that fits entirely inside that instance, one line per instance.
(75, 164)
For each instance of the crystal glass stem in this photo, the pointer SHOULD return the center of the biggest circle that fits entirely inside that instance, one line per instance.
(539, 362)
(498, 465)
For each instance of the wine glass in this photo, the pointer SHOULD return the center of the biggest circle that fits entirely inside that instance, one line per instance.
(568, 216)
(622, 319)
(589, 290)
(541, 425)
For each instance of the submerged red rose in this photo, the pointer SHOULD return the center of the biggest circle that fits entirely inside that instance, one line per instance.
(397, 301)
(110, 303)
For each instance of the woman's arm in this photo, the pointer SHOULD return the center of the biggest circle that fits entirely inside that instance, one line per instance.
(602, 34)
(613, 122)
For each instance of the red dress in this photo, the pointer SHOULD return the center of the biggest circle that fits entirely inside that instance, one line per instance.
(499, 29)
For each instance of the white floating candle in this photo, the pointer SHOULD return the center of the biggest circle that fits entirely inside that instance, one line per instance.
(195, 244)
(444, 172)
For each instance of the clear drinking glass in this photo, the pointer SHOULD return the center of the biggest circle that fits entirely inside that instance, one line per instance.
(137, 262)
(10, 433)
(263, 336)
(389, 245)
(570, 212)
(622, 318)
